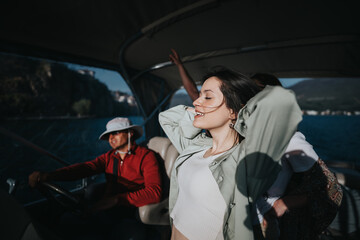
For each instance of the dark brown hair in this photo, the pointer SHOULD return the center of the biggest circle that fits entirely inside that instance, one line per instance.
(236, 87)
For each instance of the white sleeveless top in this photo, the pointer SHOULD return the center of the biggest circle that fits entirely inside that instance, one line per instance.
(200, 208)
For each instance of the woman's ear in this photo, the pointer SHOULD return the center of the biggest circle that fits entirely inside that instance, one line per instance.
(232, 114)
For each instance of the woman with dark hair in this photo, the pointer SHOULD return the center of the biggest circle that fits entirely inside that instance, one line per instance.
(305, 190)
(216, 180)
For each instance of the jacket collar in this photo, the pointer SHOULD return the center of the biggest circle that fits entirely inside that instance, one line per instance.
(201, 145)
(133, 148)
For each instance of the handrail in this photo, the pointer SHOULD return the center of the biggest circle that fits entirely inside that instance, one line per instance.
(323, 40)
(156, 109)
(31, 145)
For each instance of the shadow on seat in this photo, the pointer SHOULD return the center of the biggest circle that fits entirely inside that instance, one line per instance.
(158, 213)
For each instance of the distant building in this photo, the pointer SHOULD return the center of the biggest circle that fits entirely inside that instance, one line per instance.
(311, 112)
(131, 101)
(124, 98)
(86, 72)
(325, 112)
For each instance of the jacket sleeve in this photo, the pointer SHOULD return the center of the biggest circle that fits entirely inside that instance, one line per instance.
(79, 170)
(151, 193)
(268, 121)
(177, 123)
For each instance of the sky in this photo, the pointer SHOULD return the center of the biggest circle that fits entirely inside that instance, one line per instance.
(112, 79)
(288, 82)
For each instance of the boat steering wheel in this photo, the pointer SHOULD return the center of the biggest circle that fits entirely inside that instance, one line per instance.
(66, 199)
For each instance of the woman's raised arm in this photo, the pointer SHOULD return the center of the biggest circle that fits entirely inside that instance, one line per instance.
(177, 124)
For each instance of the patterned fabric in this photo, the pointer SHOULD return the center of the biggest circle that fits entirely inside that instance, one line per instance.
(324, 198)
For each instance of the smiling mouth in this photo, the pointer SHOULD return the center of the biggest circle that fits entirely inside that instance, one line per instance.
(199, 114)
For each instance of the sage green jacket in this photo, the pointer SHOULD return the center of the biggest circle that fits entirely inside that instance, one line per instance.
(247, 170)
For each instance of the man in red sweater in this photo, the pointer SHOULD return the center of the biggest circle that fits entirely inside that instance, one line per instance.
(133, 177)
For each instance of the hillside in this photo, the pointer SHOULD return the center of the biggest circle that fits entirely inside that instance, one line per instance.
(334, 94)
(33, 88)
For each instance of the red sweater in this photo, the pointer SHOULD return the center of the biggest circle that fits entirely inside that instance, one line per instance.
(137, 176)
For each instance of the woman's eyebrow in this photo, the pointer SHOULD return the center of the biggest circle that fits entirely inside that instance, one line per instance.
(207, 90)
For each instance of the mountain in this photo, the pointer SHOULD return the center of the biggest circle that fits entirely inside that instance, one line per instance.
(334, 94)
(33, 88)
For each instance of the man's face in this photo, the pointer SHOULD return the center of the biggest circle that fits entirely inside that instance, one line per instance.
(118, 139)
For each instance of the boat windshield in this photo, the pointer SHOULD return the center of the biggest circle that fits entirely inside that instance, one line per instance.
(53, 113)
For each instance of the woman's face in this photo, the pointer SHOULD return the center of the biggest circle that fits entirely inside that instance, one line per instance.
(210, 107)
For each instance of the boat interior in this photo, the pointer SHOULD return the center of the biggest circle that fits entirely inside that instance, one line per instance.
(302, 39)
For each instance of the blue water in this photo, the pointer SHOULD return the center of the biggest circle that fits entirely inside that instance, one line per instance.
(72, 140)
(335, 138)
(76, 140)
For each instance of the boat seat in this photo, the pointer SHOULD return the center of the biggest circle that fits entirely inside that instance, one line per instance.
(158, 213)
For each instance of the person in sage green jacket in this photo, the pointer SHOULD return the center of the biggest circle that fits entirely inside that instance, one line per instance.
(247, 133)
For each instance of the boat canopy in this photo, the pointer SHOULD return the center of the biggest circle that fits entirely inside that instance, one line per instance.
(288, 39)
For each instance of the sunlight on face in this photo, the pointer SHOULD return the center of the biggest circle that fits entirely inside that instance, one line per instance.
(210, 107)
(118, 139)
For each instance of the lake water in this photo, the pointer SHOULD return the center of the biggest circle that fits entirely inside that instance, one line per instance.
(76, 140)
(72, 140)
(334, 138)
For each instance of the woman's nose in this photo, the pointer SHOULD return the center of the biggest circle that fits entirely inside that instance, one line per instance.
(197, 102)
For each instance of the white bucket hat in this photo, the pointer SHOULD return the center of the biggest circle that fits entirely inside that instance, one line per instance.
(119, 124)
